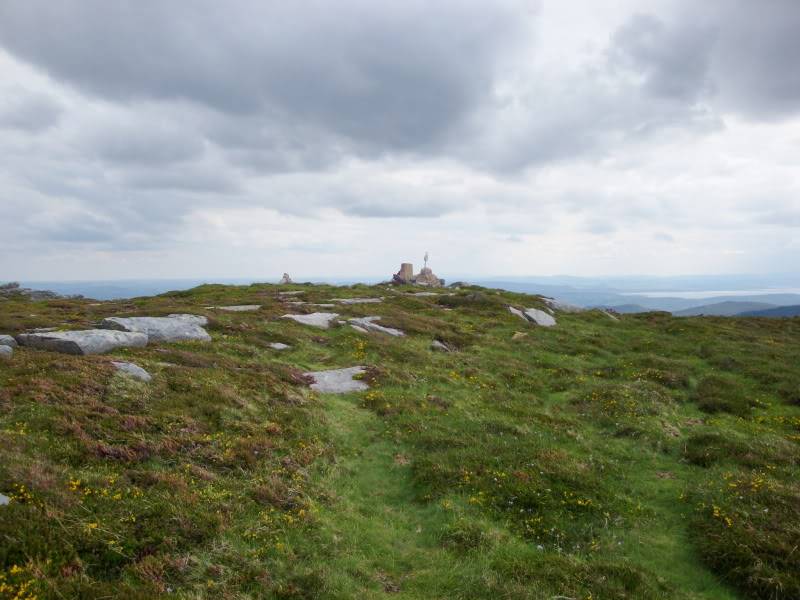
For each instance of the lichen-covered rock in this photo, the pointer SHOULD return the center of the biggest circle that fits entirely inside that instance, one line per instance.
(239, 307)
(338, 381)
(6, 352)
(358, 300)
(175, 328)
(89, 341)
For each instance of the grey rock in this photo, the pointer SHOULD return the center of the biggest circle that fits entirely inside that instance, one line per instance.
(239, 307)
(517, 312)
(278, 345)
(7, 340)
(6, 352)
(338, 381)
(534, 315)
(359, 329)
(325, 305)
(89, 341)
(132, 370)
(285, 280)
(540, 317)
(196, 319)
(175, 328)
(438, 346)
(369, 324)
(321, 320)
(4, 500)
(424, 294)
(358, 300)
(42, 329)
(292, 293)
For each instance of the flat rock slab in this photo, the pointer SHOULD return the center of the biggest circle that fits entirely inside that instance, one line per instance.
(358, 300)
(239, 307)
(132, 370)
(4, 500)
(279, 346)
(424, 294)
(89, 341)
(7, 340)
(540, 317)
(196, 319)
(175, 328)
(534, 315)
(291, 293)
(6, 352)
(369, 324)
(321, 320)
(338, 381)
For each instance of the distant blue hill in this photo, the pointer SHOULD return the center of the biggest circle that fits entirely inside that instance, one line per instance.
(724, 309)
(774, 313)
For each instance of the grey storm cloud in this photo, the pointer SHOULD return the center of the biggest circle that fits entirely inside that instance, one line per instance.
(386, 75)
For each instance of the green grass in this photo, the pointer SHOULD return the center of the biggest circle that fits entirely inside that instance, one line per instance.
(647, 458)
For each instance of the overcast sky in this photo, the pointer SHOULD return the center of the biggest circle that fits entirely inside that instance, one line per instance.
(247, 138)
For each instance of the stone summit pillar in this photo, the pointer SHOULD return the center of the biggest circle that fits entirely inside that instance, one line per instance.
(405, 274)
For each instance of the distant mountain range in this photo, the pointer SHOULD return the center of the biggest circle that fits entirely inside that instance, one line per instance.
(775, 313)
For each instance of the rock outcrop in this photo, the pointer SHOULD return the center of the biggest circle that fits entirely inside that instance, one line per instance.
(285, 280)
(6, 352)
(89, 341)
(175, 328)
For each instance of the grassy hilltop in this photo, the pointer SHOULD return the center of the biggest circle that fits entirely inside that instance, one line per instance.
(650, 457)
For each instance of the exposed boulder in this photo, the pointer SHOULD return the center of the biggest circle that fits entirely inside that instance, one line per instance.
(534, 315)
(239, 307)
(89, 341)
(369, 324)
(6, 352)
(7, 340)
(518, 335)
(4, 500)
(278, 346)
(175, 328)
(321, 320)
(131, 370)
(338, 381)
(285, 280)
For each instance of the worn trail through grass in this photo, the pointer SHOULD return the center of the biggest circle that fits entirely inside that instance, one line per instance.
(382, 540)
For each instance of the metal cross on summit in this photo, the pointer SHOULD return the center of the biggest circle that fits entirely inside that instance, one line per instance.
(426, 259)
